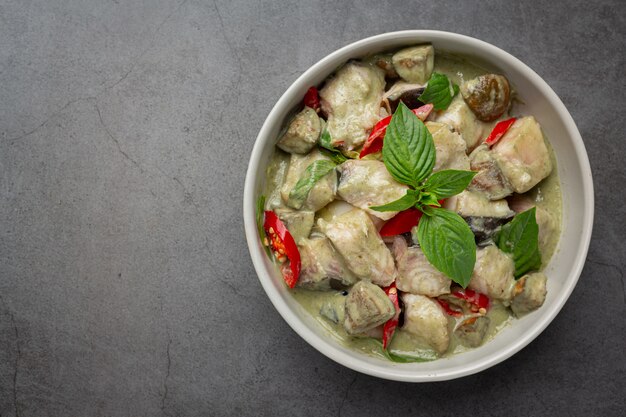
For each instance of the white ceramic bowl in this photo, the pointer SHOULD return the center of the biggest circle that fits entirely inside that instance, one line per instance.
(576, 184)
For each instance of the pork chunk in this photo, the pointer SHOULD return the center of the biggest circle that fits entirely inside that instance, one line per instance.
(351, 100)
(463, 121)
(355, 237)
(522, 155)
(321, 264)
(425, 319)
(415, 274)
(473, 204)
(449, 148)
(493, 274)
(298, 222)
(366, 183)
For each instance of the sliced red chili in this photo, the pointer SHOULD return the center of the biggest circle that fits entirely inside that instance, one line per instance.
(449, 310)
(389, 327)
(402, 222)
(284, 247)
(477, 299)
(374, 142)
(312, 98)
(499, 130)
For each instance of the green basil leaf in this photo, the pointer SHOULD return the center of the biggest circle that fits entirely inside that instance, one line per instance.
(335, 156)
(448, 182)
(520, 237)
(311, 176)
(439, 91)
(448, 243)
(326, 140)
(409, 150)
(326, 147)
(409, 200)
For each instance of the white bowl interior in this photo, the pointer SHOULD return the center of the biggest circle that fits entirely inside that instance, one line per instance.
(576, 185)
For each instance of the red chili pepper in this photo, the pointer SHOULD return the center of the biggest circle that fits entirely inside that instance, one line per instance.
(284, 247)
(477, 299)
(374, 142)
(498, 131)
(389, 327)
(449, 310)
(312, 98)
(402, 222)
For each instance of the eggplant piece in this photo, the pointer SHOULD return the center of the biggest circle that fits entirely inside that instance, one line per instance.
(485, 227)
(302, 134)
(367, 306)
(532, 294)
(488, 95)
(415, 64)
(472, 331)
(298, 222)
(490, 181)
(410, 98)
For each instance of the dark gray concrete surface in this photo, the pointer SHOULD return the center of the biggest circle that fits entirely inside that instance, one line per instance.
(126, 288)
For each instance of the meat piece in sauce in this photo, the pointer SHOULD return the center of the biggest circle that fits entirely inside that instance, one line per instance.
(321, 264)
(493, 274)
(449, 148)
(415, 274)
(351, 100)
(463, 121)
(415, 64)
(522, 155)
(302, 133)
(490, 181)
(532, 295)
(367, 306)
(355, 237)
(366, 183)
(425, 319)
(322, 193)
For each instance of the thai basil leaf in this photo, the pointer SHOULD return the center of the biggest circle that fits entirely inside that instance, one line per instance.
(448, 243)
(520, 237)
(448, 182)
(409, 150)
(313, 173)
(439, 91)
(409, 200)
(327, 148)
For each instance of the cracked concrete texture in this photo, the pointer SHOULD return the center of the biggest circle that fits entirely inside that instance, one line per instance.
(126, 287)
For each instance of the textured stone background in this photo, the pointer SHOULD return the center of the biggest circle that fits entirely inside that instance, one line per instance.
(126, 287)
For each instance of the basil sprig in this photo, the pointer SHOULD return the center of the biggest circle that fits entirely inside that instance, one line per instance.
(520, 237)
(313, 173)
(409, 155)
(439, 91)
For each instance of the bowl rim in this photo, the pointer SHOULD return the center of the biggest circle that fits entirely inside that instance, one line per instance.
(353, 361)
